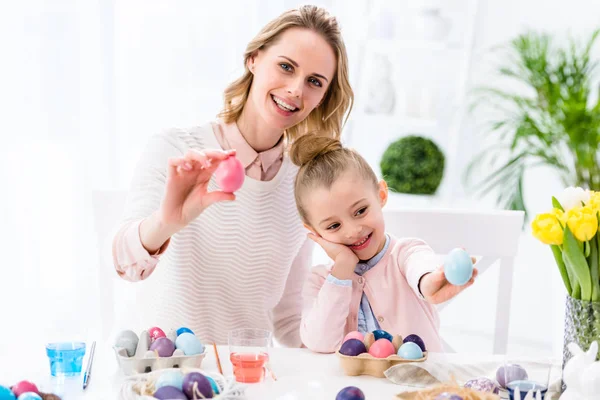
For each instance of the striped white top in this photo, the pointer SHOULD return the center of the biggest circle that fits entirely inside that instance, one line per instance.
(239, 264)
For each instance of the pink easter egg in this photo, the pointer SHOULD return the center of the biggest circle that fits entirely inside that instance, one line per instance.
(24, 387)
(155, 333)
(382, 348)
(354, 335)
(230, 175)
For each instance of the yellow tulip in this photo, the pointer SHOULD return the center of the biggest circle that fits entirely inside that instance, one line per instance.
(582, 222)
(547, 228)
(594, 202)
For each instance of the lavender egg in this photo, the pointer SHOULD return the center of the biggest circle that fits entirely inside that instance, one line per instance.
(510, 372)
(448, 396)
(196, 385)
(416, 339)
(169, 393)
(483, 385)
(163, 346)
(353, 347)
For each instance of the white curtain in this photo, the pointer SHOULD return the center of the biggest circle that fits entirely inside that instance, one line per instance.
(83, 84)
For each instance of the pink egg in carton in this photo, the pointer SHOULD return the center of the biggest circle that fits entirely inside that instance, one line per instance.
(377, 351)
(153, 350)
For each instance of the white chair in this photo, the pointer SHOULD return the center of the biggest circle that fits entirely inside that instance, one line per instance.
(492, 236)
(119, 300)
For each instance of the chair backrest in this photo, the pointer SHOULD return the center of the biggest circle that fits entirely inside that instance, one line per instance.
(492, 236)
(118, 295)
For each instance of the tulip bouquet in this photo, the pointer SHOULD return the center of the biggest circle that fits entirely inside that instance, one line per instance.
(571, 230)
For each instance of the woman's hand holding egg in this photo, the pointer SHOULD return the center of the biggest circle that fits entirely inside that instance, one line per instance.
(344, 259)
(186, 192)
(436, 286)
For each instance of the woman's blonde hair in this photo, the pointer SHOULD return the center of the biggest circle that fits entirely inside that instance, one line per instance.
(322, 160)
(328, 117)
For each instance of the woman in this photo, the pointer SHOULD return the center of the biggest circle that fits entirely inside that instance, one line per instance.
(230, 261)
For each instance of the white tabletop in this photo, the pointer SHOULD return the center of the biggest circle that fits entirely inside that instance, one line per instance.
(300, 373)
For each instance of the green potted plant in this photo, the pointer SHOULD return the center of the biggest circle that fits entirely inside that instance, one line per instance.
(551, 118)
(413, 165)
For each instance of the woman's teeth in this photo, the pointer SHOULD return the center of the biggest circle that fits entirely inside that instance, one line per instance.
(283, 105)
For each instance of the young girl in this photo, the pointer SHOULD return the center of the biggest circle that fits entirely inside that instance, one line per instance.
(376, 281)
(216, 261)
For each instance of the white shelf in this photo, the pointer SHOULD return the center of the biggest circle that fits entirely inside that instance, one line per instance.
(393, 119)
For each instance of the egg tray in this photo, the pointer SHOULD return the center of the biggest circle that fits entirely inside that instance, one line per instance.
(366, 364)
(139, 363)
(141, 386)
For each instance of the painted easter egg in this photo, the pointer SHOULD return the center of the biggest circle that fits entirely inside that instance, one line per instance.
(350, 393)
(354, 335)
(381, 334)
(29, 396)
(213, 384)
(23, 387)
(416, 339)
(170, 378)
(483, 385)
(382, 348)
(127, 340)
(510, 372)
(196, 385)
(369, 340)
(183, 329)
(163, 346)
(458, 267)
(230, 174)
(6, 394)
(189, 343)
(410, 351)
(170, 393)
(353, 347)
(155, 333)
(397, 342)
(448, 396)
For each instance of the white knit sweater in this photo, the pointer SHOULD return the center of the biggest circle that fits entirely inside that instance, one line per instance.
(239, 264)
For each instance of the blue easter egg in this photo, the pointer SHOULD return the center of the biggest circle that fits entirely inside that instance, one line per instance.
(458, 267)
(214, 385)
(6, 394)
(170, 378)
(410, 351)
(183, 329)
(29, 396)
(381, 334)
(189, 344)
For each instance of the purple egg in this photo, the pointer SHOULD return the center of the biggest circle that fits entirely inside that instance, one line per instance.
(169, 393)
(196, 385)
(416, 339)
(353, 347)
(350, 393)
(448, 396)
(164, 346)
(483, 385)
(510, 372)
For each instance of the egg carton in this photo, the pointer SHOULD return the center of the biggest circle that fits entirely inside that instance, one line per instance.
(366, 364)
(141, 386)
(144, 361)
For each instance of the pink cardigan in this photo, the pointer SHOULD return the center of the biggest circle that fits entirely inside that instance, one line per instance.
(331, 311)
